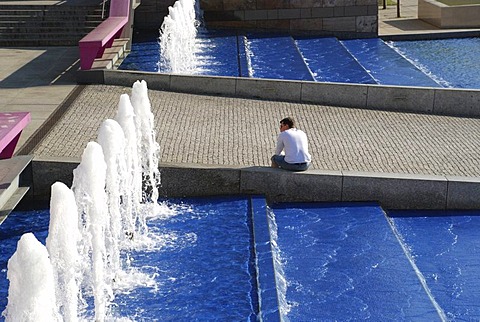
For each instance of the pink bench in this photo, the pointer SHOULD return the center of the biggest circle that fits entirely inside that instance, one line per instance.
(94, 44)
(11, 126)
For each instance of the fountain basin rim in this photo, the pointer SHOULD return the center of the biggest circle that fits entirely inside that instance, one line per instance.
(424, 100)
(391, 190)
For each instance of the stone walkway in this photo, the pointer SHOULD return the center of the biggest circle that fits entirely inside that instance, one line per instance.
(241, 132)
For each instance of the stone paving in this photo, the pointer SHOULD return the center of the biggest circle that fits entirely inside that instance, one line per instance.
(242, 132)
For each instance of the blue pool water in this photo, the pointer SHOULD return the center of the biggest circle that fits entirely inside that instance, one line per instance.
(227, 259)
(451, 63)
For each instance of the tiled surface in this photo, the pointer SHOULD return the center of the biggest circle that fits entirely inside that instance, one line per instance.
(230, 131)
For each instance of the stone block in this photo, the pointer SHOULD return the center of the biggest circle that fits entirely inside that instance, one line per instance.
(367, 24)
(210, 5)
(238, 4)
(203, 84)
(322, 12)
(256, 14)
(198, 180)
(367, 3)
(306, 3)
(408, 99)
(396, 191)
(330, 3)
(269, 89)
(274, 24)
(288, 13)
(239, 15)
(280, 185)
(313, 24)
(46, 172)
(347, 95)
(339, 11)
(272, 14)
(457, 102)
(373, 10)
(127, 78)
(463, 193)
(356, 11)
(272, 4)
(339, 24)
(306, 13)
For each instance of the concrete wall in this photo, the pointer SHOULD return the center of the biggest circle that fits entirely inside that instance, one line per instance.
(440, 101)
(392, 191)
(443, 16)
(343, 18)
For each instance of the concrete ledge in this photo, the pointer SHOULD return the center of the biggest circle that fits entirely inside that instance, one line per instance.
(440, 101)
(396, 191)
(395, 98)
(391, 191)
(202, 85)
(346, 95)
(463, 193)
(444, 16)
(198, 180)
(280, 185)
(464, 102)
(268, 89)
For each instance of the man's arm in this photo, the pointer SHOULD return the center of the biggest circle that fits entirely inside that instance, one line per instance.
(280, 146)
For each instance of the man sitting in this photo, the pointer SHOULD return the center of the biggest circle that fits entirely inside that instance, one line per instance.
(291, 152)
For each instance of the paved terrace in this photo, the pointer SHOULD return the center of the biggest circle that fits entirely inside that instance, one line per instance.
(228, 131)
(231, 131)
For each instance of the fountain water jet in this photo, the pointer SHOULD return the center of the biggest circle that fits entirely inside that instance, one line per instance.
(91, 198)
(31, 295)
(177, 38)
(148, 147)
(132, 192)
(62, 240)
(86, 258)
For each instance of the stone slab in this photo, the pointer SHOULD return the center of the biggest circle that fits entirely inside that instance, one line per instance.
(457, 102)
(198, 180)
(463, 192)
(335, 94)
(269, 89)
(203, 84)
(280, 185)
(396, 191)
(127, 78)
(395, 98)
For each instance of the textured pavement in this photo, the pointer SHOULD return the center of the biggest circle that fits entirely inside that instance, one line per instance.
(242, 132)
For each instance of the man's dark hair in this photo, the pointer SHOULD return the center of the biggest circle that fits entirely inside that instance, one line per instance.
(288, 121)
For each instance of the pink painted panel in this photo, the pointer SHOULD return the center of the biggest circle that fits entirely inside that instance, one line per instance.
(11, 125)
(119, 8)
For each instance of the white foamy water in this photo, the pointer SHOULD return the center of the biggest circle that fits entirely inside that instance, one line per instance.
(94, 225)
(91, 198)
(62, 240)
(147, 147)
(31, 294)
(280, 278)
(131, 200)
(177, 38)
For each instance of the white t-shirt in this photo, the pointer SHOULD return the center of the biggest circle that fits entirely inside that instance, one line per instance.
(293, 142)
